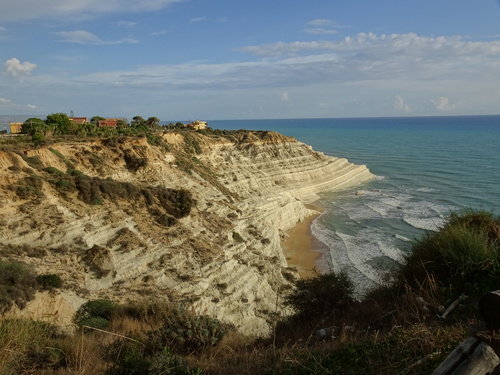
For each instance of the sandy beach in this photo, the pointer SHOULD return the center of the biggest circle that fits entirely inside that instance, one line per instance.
(299, 248)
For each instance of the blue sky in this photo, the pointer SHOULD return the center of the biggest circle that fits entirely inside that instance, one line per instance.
(235, 59)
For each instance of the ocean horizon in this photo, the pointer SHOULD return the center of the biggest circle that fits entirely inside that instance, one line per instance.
(426, 168)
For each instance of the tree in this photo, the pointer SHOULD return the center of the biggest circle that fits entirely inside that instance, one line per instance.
(34, 125)
(121, 124)
(59, 122)
(95, 120)
(153, 122)
(137, 121)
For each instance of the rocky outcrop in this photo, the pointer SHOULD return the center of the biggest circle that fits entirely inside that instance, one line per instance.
(223, 258)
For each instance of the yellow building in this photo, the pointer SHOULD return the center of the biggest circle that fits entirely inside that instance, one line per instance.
(198, 125)
(15, 127)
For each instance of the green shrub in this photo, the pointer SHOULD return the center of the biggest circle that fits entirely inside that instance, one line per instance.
(14, 168)
(128, 358)
(165, 362)
(64, 185)
(29, 187)
(94, 313)
(58, 154)
(53, 171)
(134, 163)
(33, 161)
(462, 257)
(191, 144)
(29, 347)
(17, 285)
(237, 237)
(165, 220)
(131, 358)
(75, 173)
(49, 281)
(176, 202)
(38, 139)
(185, 332)
(321, 298)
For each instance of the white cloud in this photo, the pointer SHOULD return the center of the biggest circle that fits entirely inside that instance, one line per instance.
(127, 24)
(400, 105)
(197, 19)
(78, 36)
(158, 33)
(86, 37)
(443, 104)
(320, 22)
(285, 96)
(11, 10)
(320, 31)
(8, 105)
(322, 26)
(16, 69)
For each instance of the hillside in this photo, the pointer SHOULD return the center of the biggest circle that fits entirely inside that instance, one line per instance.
(186, 217)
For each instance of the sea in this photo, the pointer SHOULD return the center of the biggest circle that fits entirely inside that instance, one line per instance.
(426, 168)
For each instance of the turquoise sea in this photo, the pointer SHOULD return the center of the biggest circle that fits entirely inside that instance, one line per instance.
(426, 167)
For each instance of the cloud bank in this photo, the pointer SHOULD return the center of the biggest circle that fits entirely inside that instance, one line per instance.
(363, 74)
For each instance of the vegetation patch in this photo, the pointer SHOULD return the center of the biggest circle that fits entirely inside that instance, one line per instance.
(94, 314)
(237, 237)
(463, 257)
(100, 259)
(49, 281)
(134, 162)
(33, 161)
(185, 332)
(17, 285)
(29, 187)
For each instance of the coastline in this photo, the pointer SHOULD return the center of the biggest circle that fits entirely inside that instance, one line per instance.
(301, 249)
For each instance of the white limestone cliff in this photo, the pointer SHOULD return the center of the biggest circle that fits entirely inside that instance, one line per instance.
(224, 259)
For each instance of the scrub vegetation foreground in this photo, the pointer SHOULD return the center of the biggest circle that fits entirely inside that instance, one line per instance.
(396, 329)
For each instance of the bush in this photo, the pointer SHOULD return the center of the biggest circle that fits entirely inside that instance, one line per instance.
(237, 237)
(29, 187)
(95, 313)
(176, 202)
(134, 163)
(17, 285)
(53, 171)
(328, 296)
(64, 185)
(33, 161)
(38, 139)
(185, 332)
(133, 359)
(49, 281)
(463, 256)
(29, 347)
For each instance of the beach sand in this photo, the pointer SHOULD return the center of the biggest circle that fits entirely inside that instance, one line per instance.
(299, 248)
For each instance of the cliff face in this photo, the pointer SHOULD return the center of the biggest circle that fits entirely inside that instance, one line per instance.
(221, 255)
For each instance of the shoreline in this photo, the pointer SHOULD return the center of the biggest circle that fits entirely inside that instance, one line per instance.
(301, 249)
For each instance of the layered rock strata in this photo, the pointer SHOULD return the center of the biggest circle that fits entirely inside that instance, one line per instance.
(223, 259)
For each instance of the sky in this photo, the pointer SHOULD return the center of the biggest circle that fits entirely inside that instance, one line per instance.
(182, 60)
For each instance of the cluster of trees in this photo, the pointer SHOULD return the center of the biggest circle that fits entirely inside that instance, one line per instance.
(60, 124)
